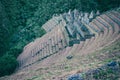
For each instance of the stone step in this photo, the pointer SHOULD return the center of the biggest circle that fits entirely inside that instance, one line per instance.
(71, 52)
(116, 13)
(60, 45)
(63, 40)
(91, 29)
(67, 50)
(113, 24)
(106, 31)
(114, 18)
(94, 42)
(95, 27)
(90, 42)
(102, 21)
(80, 46)
(108, 21)
(86, 43)
(101, 29)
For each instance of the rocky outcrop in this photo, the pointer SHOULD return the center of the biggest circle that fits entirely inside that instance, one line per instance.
(108, 71)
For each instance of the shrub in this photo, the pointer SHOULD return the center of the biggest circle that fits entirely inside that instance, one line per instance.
(8, 64)
(15, 52)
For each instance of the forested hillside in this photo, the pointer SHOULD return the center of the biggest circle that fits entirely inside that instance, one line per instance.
(21, 21)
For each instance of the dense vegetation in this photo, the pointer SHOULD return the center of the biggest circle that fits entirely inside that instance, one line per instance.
(7, 64)
(21, 21)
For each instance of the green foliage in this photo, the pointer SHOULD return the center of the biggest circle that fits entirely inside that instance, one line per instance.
(8, 64)
(104, 5)
(14, 51)
(108, 74)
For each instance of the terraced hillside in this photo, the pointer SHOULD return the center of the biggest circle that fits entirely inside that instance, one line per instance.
(75, 42)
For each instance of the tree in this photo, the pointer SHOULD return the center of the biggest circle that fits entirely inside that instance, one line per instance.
(8, 64)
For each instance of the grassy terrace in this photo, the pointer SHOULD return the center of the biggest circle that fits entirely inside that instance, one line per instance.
(82, 64)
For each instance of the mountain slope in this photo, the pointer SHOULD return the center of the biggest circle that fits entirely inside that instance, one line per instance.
(37, 63)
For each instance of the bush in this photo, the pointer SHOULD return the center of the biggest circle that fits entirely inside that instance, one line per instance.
(14, 51)
(8, 64)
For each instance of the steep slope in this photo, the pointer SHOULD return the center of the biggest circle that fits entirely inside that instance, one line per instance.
(21, 21)
(56, 60)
